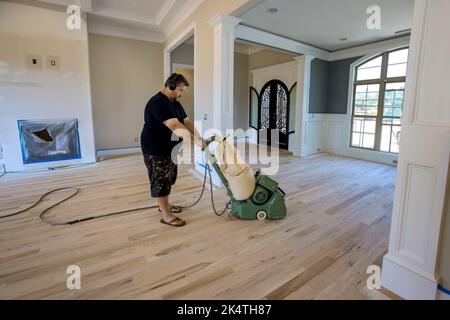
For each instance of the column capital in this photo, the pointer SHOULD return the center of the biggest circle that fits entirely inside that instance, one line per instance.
(222, 19)
(304, 58)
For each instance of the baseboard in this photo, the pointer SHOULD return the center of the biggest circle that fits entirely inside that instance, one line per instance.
(118, 151)
(2, 169)
(406, 283)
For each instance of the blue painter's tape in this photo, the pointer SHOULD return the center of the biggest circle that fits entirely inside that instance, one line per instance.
(446, 291)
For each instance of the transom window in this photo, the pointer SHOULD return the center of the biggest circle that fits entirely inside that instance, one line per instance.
(378, 102)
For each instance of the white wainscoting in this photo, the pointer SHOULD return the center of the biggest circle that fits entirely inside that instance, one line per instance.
(314, 129)
(331, 133)
(337, 141)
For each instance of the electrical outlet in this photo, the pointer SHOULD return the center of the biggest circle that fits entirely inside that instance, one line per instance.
(34, 61)
(205, 116)
(136, 140)
(53, 63)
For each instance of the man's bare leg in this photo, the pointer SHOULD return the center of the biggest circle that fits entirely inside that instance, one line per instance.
(165, 208)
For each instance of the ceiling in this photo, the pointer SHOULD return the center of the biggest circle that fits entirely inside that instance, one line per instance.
(146, 19)
(320, 23)
(323, 23)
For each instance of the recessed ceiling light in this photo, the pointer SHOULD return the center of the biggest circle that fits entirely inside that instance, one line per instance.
(272, 10)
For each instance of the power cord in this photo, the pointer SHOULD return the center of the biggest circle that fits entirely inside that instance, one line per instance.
(76, 190)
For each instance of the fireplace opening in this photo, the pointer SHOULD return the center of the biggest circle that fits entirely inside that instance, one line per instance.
(45, 141)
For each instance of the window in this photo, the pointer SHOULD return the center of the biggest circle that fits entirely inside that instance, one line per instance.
(378, 102)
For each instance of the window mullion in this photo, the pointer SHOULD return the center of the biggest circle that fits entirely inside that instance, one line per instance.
(379, 124)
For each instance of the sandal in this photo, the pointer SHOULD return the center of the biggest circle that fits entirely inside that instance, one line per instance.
(174, 209)
(171, 222)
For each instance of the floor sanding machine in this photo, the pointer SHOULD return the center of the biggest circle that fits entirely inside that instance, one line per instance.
(252, 196)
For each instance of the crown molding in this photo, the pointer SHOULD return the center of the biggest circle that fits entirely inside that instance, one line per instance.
(122, 32)
(176, 20)
(164, 11)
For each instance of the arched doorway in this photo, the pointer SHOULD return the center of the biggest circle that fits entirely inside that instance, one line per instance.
(274, 111)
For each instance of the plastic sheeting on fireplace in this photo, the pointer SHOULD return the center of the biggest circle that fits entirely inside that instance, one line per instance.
(45, 141)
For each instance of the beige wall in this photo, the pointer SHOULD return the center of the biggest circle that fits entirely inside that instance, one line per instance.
(187, 101)
(268, 57)
(204, 39)
(241, 91)
(124, 75)
(27, 93)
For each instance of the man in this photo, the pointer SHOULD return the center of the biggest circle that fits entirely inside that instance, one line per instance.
(165, 115)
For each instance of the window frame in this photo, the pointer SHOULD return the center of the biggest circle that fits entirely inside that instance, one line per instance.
(382, 82)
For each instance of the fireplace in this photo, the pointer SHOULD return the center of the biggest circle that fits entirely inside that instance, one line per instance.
(45, 141)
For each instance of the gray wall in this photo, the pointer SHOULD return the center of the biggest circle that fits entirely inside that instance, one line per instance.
(338, 77)
(329, 86)
(318, 90)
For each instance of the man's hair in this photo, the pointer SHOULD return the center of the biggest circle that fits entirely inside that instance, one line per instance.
(177, 79)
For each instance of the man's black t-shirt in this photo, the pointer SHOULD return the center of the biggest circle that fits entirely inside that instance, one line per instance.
(156, 138)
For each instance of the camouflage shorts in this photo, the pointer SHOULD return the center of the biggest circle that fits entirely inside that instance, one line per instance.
(162, 173)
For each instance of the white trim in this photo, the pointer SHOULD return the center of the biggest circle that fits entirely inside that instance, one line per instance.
(121, 32)
(246, 33)
(370, 49)
(269, 39)
(407, 283)
(178, 19)
(223, 70)
(164, 11)
(130, 19)
(410, 267)
(120, 151)
(302, 146)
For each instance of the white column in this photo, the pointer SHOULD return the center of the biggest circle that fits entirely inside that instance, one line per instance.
(410, 266)
(302, 104)
(223, 68)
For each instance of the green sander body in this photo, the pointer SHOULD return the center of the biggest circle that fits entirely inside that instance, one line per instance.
(266, 202)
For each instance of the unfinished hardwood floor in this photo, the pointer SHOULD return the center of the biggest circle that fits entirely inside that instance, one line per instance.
(338, 221)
